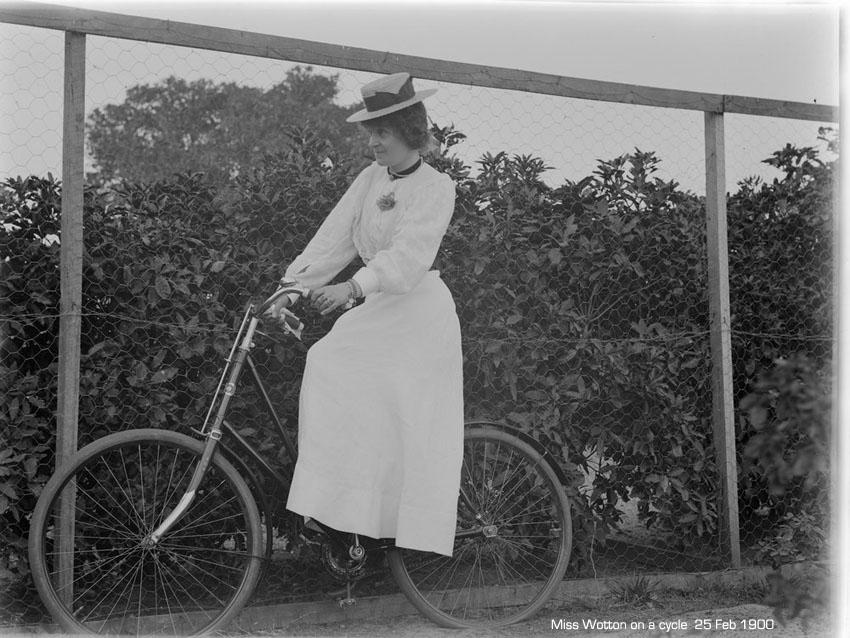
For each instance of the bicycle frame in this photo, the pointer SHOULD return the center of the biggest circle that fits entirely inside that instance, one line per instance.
(513, 530)
(213, 427)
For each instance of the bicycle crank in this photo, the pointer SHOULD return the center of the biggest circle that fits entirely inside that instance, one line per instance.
(344, 567)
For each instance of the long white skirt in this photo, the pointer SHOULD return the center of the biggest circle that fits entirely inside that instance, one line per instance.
(381, 421)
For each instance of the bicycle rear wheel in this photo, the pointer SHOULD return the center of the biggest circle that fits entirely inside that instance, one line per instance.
(106, 576)
(512, 544)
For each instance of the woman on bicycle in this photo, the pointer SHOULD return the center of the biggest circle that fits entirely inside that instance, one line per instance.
(381, 406)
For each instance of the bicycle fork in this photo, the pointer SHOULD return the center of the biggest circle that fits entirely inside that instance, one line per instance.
(213, 434)
(189, 496)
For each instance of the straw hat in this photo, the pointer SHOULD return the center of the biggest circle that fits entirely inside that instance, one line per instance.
(387, 95)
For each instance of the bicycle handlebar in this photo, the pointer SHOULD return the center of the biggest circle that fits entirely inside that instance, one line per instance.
(288, 289)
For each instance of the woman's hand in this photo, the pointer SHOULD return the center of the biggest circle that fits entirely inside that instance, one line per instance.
(276, 309)
(329, 298)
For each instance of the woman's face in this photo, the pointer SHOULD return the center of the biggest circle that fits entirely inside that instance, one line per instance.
(390, 149)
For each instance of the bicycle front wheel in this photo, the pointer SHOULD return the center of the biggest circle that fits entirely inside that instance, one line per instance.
(92, 558)
(512, 542)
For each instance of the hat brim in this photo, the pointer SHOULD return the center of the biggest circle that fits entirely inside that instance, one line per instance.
(364, 114)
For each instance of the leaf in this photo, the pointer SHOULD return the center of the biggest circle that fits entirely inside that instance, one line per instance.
(31, 466)
(493, 347)
(14, 405)
(758, 416)
(537, 396)
(163, 375)
(218, 266)
(141, 371)
(97, 348)
(163, 289)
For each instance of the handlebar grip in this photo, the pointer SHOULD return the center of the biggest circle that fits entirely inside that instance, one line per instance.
(284, 290)
(293, 322)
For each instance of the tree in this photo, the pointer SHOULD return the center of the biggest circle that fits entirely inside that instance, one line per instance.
(216, 129)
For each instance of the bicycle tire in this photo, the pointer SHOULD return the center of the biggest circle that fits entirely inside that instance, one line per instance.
(194, 581)
(513, 542)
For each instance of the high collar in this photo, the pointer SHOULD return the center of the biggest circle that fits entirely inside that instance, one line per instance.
(407, 171)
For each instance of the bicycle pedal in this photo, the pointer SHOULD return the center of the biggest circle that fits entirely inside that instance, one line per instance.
(348, 601)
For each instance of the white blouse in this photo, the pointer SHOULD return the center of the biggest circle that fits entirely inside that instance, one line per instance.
(396, 227)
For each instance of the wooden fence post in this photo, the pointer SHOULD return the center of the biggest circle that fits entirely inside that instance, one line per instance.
(721, 340)
(71, 247)
(71, 278)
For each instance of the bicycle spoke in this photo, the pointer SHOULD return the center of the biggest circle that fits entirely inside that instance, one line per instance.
(97, 502)
(192, 581)
(118, 560)
(173, 487)
(174, 549)
(127, 577)
(511, 544)
(121, 485)
(144, 525)
(202, 586)
(167, 588)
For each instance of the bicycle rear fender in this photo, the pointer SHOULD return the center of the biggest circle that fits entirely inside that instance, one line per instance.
(525, 438)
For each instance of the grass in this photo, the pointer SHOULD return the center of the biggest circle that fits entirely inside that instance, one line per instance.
(633, 599)
(640, 590)
(642, 598)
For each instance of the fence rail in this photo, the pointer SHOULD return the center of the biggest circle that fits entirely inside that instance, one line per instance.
(358, 59)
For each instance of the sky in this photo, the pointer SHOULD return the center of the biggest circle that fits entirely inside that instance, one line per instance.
(785, 51)
(780, 50)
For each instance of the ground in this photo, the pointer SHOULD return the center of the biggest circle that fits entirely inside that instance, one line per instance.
(674, 613)
(684, 623)
(709, 611)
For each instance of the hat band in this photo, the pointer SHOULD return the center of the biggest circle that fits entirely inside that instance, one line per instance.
(382, 100)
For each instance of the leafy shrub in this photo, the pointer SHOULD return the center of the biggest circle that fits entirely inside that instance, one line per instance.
(172, 266)
(29, 288)
(168, 269)
(789, 411)
(583, 309)
(781, 276)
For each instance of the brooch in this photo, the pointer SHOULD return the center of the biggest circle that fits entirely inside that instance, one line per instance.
(386, 202)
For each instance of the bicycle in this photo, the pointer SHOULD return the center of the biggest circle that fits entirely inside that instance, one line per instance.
(152, 531)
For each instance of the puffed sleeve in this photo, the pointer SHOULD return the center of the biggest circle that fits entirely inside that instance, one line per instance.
(400, 266)
(332, 247)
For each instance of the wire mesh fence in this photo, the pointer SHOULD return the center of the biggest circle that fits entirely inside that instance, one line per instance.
(577, 257)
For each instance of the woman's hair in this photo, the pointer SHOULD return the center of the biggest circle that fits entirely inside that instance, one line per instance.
(410, 124)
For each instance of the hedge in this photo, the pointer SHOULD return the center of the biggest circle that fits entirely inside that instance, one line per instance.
(583, 308)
